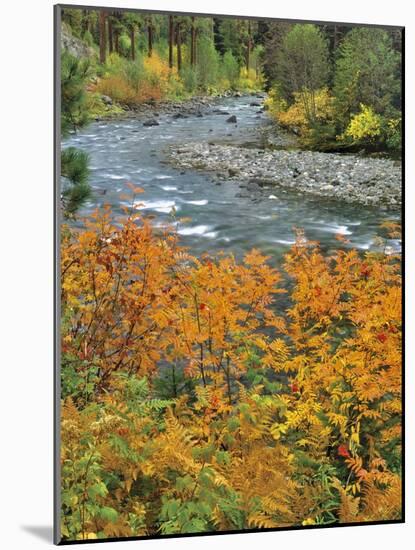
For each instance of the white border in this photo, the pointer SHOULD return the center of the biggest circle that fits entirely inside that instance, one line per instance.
(26, 45)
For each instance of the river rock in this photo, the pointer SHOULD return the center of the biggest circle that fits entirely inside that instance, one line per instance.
(151, 122)
(106, 99)
(232, 119)
(344, 177)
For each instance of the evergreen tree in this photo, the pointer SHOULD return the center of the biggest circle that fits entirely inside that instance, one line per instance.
(271, 35)
(230, 68)
(74, 115)
(303, 65)
(132, 23)
(75, 170)
(366, 72)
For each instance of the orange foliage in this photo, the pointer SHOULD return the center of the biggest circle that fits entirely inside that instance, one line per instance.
(156, 82)
(284, 417)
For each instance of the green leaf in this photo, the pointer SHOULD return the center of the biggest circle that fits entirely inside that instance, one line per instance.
(108, 514)
(99, 489)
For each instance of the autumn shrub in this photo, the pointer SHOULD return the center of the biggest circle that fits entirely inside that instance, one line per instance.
(370, 128)
(118, 89)
(309, 108)
(275, 103)
(132, 82)
(271, 417)
(364, 126)
(394, 133)
(249, 81)
(157, 76)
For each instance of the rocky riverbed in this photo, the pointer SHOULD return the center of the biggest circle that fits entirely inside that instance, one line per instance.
(198, 106)
(349, 178)
(227, 217)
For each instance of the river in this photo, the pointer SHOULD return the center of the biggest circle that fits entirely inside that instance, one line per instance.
(124, 150)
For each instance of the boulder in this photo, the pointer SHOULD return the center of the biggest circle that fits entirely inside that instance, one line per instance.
(74, 45)
(232, 119)
(151, 122)
(106, 99)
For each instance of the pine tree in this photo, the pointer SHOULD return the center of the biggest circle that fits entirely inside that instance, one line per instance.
(74, 115)
(366, 72)
(102, 37)
(74, 168)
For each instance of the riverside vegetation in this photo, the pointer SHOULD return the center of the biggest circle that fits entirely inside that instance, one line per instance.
(213, 393)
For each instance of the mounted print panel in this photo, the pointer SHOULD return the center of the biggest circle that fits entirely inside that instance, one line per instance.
(228, 267)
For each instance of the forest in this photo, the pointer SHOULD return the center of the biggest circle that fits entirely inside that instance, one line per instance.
(221, 390)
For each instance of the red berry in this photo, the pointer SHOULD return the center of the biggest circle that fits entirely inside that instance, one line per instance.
(382, 337)
(364, 270)
(343, 451)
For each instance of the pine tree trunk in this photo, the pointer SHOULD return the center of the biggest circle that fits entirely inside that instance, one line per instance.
(335, 39)
(195, 46)
(85, 21)
(171, 33)
(102, 37)
(110, 36)
(150, 40)
(179, 47)
(116, 41)
(248, 49)
(132, 38)
(192, 43)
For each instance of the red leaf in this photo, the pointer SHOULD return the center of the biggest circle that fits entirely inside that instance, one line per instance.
(382, 337)
(343, 451)
(294, 387)
(364, 270)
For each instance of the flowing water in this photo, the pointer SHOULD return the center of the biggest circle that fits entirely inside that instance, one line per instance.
(125, 151)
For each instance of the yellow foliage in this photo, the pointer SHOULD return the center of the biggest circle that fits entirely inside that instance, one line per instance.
(249, 81)
(157, 81)
(364, 126)
(307, 106)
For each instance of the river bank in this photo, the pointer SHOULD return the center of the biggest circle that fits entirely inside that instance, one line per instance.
(260, 171)
(198, 105)
(349, 178)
